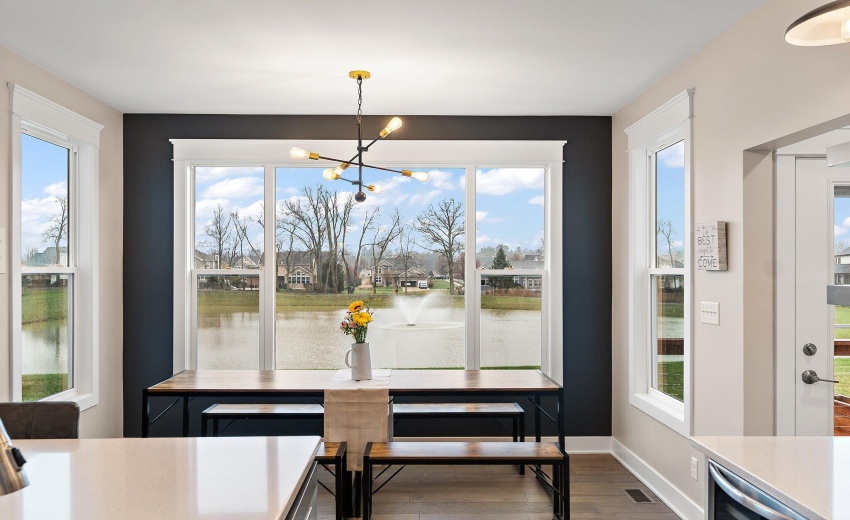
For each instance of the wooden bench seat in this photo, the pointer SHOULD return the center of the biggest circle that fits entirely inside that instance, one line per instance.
(333, 453)
(470, 453)
(217, 412)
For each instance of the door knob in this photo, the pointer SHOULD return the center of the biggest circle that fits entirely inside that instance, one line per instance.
(810, 349)
(810, 377)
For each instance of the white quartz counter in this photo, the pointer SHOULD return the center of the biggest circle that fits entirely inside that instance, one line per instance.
(161, 478)
(808, 474)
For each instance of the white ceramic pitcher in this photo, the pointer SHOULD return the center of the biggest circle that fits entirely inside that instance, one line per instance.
(361, 361)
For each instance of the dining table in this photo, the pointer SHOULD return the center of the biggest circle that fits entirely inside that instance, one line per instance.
(196, 478)
(187, 385)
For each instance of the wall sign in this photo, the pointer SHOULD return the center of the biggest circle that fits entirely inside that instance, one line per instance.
(711, 246)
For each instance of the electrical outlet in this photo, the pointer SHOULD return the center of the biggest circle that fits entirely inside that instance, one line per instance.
(694, 466)
(709, 313)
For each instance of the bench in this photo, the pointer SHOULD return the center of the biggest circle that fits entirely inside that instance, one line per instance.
(333, 453)
(469, 453)
(496, 411)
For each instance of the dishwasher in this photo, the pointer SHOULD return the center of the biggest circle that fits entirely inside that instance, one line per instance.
(733, 498)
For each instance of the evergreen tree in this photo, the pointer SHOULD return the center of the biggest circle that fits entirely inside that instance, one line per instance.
(500, 261)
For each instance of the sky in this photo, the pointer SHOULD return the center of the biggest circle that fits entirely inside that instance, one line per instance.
(509, 201)
(670, 193)
(44, 177)
(841, 214)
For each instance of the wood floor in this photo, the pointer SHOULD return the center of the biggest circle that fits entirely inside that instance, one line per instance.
(499, 492)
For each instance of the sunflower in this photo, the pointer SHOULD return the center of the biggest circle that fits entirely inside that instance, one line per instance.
(355, 307)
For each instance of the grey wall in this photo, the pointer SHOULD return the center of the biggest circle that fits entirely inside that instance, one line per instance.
(148, 224)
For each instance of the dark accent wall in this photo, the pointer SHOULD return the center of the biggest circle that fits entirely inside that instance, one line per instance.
(148, 241)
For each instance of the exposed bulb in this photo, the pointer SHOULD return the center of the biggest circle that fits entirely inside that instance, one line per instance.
(330, 174)
(419, 176)
(341, 168)
(374, 188)
(300, 153)
(845, 24)
(392, 126)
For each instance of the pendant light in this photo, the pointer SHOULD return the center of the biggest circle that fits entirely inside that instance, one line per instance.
(826, 25)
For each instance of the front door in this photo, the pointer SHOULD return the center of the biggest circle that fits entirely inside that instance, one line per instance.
(822, 331)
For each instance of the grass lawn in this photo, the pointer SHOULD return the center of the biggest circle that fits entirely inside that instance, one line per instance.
(37, 386)
(671, 379)
(44, 304)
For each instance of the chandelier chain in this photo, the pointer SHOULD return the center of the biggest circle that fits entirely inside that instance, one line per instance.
(359, 99)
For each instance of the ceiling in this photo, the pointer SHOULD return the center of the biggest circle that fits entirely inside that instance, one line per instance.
(459, 57)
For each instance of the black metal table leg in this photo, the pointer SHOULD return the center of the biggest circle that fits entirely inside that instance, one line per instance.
(203, 426)
(185, 416)
(565, 486)
(358, 492)
(561, 405)
(537, 418)
(146, 413)
(367, 488)
(340, 470)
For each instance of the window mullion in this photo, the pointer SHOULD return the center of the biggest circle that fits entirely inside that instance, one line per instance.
(268, 289)
(472, 292)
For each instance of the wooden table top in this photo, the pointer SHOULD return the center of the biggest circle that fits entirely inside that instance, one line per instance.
(401, 381)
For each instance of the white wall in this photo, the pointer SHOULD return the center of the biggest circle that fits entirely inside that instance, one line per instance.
(751, 88)
(105, 419)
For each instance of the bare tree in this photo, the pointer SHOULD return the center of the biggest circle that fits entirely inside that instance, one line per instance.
(841, 245)
(306, 215)
(665, 229)
(240, 226)
(405, 251)
(218, 229)
(442, 228)
(384, 236)
(29, 254)
(365, 226)
(57, 228)
(337, 213)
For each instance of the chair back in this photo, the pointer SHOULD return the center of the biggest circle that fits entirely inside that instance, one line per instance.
(41, 420)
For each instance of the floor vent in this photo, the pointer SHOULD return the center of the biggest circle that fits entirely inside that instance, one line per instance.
(638, 496)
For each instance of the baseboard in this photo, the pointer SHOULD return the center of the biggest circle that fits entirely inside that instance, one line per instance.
(666, 491)
(573, 444)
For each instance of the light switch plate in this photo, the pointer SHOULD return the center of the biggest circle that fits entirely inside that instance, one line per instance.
(709, 313)
(694, 466)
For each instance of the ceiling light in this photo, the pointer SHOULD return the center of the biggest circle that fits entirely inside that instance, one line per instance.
(826, 25)
(336, 173)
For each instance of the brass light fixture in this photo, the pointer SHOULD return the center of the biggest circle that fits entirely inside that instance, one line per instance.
(333, 174)
(826, 25)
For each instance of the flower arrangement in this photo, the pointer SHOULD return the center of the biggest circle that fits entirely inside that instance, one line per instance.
(356, 322)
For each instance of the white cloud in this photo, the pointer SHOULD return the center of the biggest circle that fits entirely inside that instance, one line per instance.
(674, 156)
(35, 217)
(204, 208)
(838, 231)
(237, 188)
(210, 173)
(480, 216)
(442, 180)
(484, 239)
(57, 189)
(537, 201)
(502, 181)
(252, 211)
(423, 198)
(677, 243)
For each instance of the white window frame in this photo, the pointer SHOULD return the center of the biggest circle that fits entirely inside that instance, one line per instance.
(44, 119)
(471, 155)
(669, 124)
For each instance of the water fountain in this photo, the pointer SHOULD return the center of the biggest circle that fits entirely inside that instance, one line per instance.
(431, 311)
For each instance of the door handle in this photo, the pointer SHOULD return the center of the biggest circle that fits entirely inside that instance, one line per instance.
(810, 377)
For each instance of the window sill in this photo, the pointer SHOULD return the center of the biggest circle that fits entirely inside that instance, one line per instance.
(660, 409)
(84, 401)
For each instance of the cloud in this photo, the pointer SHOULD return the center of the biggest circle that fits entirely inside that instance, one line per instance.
(480, 216)
(204, 208)
(442, 180)
(57, 189)
(485, 239)
(423, 198)
(252, 211)
(838, 231)
(204, 174)
(537, 201)
(677, 243)
(237, 188)
(502, 181)
(673, 156)
(35, 217)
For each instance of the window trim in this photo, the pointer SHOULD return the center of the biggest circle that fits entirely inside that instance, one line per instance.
(669, 124)
(44, 119)
(272, 154)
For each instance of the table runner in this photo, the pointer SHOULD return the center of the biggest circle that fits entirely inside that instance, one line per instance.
(357, 412)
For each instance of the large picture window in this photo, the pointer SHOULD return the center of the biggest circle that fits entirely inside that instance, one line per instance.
(270, 254)
(660, 257)
(54, 247)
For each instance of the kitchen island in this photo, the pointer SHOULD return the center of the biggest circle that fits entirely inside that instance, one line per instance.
(238, 478)
(810, 475)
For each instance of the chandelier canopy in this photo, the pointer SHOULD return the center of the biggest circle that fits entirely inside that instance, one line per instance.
(333, 174)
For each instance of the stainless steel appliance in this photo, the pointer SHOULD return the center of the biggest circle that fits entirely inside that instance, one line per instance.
(733, 498)
(12, 476)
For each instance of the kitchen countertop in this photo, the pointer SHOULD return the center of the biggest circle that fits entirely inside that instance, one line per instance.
(236, 478)
(808, 474)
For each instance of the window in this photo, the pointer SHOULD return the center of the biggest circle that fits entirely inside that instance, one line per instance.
(660, 257)
(403, 251)
(54, 211)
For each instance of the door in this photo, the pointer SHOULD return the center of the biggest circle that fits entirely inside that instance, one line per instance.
(822, 235)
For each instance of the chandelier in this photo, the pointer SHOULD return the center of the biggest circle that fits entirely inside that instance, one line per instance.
(826, 25)
(333, 174)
